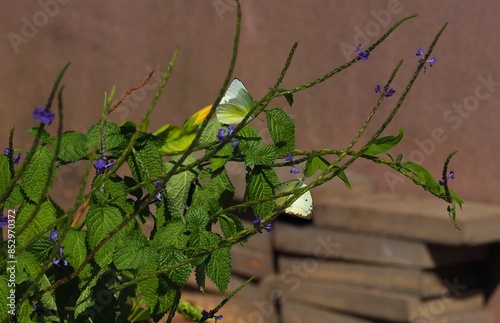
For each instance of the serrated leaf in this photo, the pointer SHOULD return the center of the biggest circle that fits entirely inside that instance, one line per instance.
(41, 249)
(199, 240)
(75, 250)
(260, 184)
(196, 218)
(27, 267)
(148, 288)
(73, 146)
(112, 136)
(146, 164)
(172, 235)
(382, 145)
(282, 130)
(248, 138)
(85, 299)
(134, 253)
(5, 287)
(167, 294)
(230, 224)
(15, 198)
(263, 155)
(424, 176)
(37, 173)
(221, 158)
(314, 164)
(44, 136)
(214, 193)
(219, 268)
(4, 174)
(200, 275)
(44, 218)
(100, 221)
(209, 134)
(177, 188)
(178, 275)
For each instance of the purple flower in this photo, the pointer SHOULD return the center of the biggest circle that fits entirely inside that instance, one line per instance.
(257, 221)
(53, 235)
(230, 129)
(100, 164)
(60, 259)
(420, 52)
(17, 159)
(6, 152)
(204, 315)
(289, 157)
(221, 135)
(235, 143)
(294, 170)
(431, 61)
(218, 317)
(44, 115)
(268, 227)
(3, 221)
(443, 181)
(158, 196)
(378, 89)
(361, 54)
(390, 93)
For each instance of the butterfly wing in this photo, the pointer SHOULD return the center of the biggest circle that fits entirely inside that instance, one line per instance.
(235, 104)
(301, 207)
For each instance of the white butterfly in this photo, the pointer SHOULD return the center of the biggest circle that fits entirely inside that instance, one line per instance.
(235, 104)
(303, 206)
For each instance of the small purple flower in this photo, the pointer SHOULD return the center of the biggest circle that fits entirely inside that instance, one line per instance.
(158, 182)
(3, 221)
(218, 317)
(289, 157)
(60, 259)
(17, 159)
(6, 152)
(294, 170)
(443, 181)
(204, 315)
(268, 227)
(159, 195)
(361, 54)
(420, 52)
(230, 129)
(221, 135)
(390, 93)
(235, 143)
(53, 235)
(100, 164)
(257, 221)
(431, 61)
(378, 89)
(44, 115)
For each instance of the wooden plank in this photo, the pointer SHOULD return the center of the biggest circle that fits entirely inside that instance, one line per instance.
(297, 312)
(478, 316)
(408, 217)
(345, 298)
(250, 262)
(315, 242)
(370, 302)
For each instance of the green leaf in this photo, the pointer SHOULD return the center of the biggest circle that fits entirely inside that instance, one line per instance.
(41, 249)
(315, 164)
(381, 145)
(15, 198)
(172, 235)
(76, 251)
(200, 275)
(148, 288)
(248, 138)
(37, 174)
(177, 188)
(5, 287)
(85, 299)
(101, 220)
(134, 254)
(197, 218)
(73, 146)
(209, 134)
(4, 174)
(260, 184)
(230, 224)
(342, 176)
(282, 130)
(200, 240)
(44, 218)
(215, 193)
(146, 164)
(44, 136)
(167, 294)
(221, 158)
(219, 268)
(112, 136)
(178, 275)
(424, 176)
(27, 267)
(263, 155)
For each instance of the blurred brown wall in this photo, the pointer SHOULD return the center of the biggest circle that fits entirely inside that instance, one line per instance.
(451, 107)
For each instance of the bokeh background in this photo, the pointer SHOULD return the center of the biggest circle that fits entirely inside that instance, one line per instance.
(117, 44)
